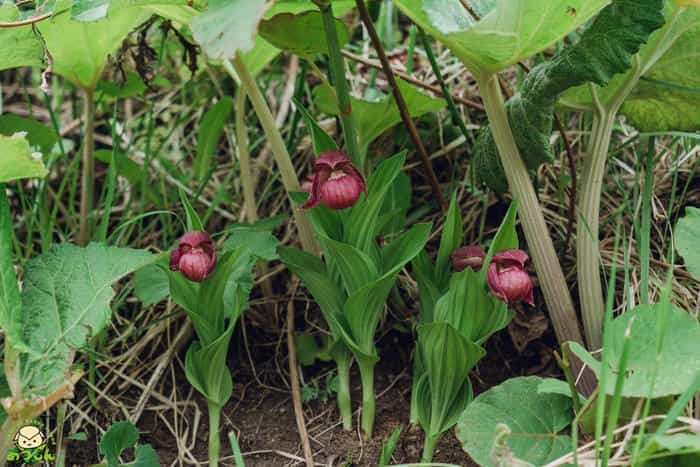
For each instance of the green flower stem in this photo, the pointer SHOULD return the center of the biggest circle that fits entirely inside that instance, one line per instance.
(238, 69)
(343, 393)
(87, 186)
(544, 257)
(244, 157)
(429, 447)
(368, 399)
(214, 441)
(337, 70)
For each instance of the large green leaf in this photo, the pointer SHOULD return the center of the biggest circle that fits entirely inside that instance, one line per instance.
(687, 232)
(66, 299)
(451, 239)
(677, 364)
(120, 436)
(301, 34)
(205, 368)
(355, 267)
(445, 390)
(39, 135)
(535, 419)
(228, 26)
(603, 51)
(211, 128)
(509, 30)
(375, 117)
(20, 46)
(667, 97)
(17, 159)
(80, 50)
(9, 293)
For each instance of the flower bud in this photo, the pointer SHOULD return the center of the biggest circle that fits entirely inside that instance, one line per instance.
(468, 256)
(508, 279)
(336, 182)
(194, 256)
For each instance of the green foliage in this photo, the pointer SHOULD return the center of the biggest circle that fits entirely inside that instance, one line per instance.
(509, 31)
(669, 373)
(389, 447)
(151, 284)
(211, 128)
(301, 34)
(65, 300)
(228, 26)
(375, 117)
(121, 436)
(20, 46)
(535, 419)
(320, 140)
(40, 136)
(667, 94)
(17, 159)
(686, 233)
(604, 50)
(9, 292)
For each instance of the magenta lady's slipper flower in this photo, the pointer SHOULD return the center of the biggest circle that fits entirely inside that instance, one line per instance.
(507, 277)
(336, 182)
(194, 256)
(307, 184)
(468, 256)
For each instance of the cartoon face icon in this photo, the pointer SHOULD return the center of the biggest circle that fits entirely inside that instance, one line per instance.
(29, 437)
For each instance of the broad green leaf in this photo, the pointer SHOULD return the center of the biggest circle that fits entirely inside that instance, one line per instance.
(679, 360)
(80, 50)
(320, 140)
(687, 232)
(603, 51)
(448, 358)
(396, 206)
(667, 96)
(17, 159)
(151, 284)
(259, 241)
(375, 117)
(228, 26)
(9, 292)
(65, 300)
(405, 247)
(450, 240)
(194, 222)
(355, 267)
(89, 10)
(20, 46)
(429, 292)
(679, 449)
(145, 456)
(205, 368)
(120, 436)
(211, 128)
(509, 30)
(301, 34)
(132, 86)
(39, 135)
(535, 419)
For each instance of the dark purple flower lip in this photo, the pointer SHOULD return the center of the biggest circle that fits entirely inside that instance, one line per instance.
(195, 256)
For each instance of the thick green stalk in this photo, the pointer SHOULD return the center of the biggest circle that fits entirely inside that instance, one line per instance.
(87, 185)
(588, 263)
(214, 441)
(343, 394)
(244, 157)
(284, 162)
(368, 399)
(544, 257)
(429, 447)
(337, 70)
(7, 433)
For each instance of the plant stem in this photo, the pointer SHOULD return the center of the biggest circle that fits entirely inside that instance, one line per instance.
(429, 447)
(244, 157)
(401, 104)
(214, 441)
(368, 402)
(279, 150)
(544, 257)
(343, 394)
(87, 186)
(337, 70)
(588, 264)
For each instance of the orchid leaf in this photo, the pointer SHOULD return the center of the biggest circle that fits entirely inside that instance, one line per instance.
(301, 34)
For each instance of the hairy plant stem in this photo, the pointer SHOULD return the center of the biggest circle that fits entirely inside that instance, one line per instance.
(7, 433)
(87, 182)
(244, 157)
(214, 441)
(343, 393)
(238, 70)
(337, 71)
(544, 257)
(368, 399)
(587, 228)
(429, 447)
